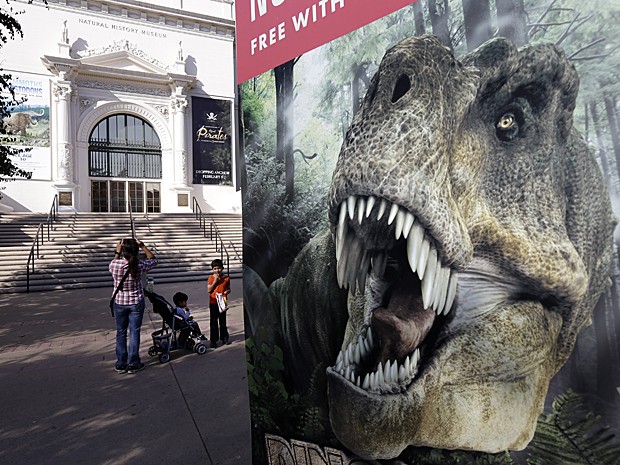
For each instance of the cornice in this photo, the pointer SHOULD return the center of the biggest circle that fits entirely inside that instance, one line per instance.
(150, 15)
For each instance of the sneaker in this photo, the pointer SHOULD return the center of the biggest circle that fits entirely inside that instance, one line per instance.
(135, 368)
(121, 368)
(213, 345)
(226, 342)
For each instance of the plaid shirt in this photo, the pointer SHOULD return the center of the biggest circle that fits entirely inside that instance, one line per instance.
(132, 292)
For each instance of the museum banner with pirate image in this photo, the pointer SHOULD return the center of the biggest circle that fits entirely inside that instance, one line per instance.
(28, 125)
(430, 245)
(211, 128)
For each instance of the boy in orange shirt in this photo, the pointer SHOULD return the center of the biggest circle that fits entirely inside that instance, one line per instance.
(218, 283)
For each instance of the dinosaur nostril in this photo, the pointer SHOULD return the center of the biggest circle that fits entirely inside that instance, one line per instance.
(402, 86)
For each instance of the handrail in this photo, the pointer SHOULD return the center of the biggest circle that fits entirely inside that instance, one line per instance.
(201, 217)
(222, 250)
(39, 238)
(232, 245)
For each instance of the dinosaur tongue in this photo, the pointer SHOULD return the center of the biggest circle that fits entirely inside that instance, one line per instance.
(403, 323)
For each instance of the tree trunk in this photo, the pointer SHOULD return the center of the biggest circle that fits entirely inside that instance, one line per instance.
(359, 78)
(242, 178)
(477, 16)
(439, 20)
(284, 125)
(418, 18)
(612, 120)
(612, 172)
(586, 135)
(511, 21)
(605, 168)
(600, 142)
(605, 386)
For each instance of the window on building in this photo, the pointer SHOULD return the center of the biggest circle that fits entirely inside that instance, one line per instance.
(124, 146)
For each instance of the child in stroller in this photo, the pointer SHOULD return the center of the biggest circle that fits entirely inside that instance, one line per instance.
(174, 334)
(180, 300)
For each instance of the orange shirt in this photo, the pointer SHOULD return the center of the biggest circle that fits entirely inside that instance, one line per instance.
(223, 285)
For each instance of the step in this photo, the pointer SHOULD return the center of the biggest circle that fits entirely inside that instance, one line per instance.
(80, 245)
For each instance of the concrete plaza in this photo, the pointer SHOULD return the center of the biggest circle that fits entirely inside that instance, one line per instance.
(63, 403)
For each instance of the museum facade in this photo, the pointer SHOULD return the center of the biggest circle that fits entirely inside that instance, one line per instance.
(127, 105)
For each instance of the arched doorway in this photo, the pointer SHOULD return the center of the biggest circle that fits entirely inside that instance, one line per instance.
(124, 164)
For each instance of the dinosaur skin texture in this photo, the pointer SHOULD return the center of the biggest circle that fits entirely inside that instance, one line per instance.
(498, 204)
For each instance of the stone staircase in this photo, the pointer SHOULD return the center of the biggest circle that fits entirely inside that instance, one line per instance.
(81, 246)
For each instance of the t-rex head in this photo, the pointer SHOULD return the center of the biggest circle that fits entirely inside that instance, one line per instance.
(474, 234)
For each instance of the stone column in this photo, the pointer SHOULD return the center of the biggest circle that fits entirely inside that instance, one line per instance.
(179, 104)
(64, 148)
(64, 179)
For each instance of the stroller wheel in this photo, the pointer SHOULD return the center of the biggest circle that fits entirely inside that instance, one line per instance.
(163, 358)
(152, 351)
(200, 349)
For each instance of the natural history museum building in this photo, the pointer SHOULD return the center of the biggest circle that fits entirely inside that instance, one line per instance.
(128, 105)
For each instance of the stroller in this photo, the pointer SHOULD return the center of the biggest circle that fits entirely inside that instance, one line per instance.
(174, 334)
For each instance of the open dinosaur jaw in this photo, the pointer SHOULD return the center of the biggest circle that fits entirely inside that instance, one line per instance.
(385, 253)
(357, 254)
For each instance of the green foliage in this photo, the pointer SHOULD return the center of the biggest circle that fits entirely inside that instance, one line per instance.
(274, 231)
(272, 407)
(427, 456)
(570, 435)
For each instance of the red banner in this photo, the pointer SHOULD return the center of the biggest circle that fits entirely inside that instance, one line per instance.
(271, 32)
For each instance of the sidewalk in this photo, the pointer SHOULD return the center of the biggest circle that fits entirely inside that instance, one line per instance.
(62, 403)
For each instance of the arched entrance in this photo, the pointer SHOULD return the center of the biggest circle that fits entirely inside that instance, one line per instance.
(124, 164)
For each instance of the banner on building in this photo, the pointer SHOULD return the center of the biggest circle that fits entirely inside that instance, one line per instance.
(28, 126)
(270, 32)
(430, 272)
(211, 141)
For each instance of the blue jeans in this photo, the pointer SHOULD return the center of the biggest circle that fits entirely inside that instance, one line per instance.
(128, 316)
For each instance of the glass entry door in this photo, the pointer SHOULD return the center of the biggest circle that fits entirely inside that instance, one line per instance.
(112, 196)
(117, 196)
(99, 196)
(136, 196)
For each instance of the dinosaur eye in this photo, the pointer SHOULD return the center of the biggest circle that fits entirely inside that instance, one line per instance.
(506, 121)
(507, 127)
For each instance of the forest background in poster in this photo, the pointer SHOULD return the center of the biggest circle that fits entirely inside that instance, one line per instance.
(295, 118)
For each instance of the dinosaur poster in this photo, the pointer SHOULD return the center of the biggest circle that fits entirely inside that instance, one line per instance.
(28, 125)
(430, 240)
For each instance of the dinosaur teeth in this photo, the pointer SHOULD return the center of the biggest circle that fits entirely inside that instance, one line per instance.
(369, 204)
(390, 376)
(351, 206)
(354, 262)
(409, 220)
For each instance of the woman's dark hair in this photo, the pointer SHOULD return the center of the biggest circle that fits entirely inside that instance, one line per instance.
(130, 252)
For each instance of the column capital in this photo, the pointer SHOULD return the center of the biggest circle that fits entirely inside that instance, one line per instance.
(61, 89)
(179, 104)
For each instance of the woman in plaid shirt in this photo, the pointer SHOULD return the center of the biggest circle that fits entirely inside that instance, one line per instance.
(129, 301)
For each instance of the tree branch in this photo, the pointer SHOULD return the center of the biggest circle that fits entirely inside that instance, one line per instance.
(561, 23)
(585, 47)
(569, 30)
(531, 32)
(590, 57)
